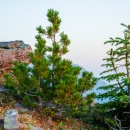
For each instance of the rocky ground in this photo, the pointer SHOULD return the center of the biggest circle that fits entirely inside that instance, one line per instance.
(33, 120)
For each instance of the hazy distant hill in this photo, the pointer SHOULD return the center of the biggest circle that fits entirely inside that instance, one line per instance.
(99, 83)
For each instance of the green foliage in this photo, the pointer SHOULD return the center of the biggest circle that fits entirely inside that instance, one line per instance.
(21, 83)
(98, 117)
(118, 77)
(53, 81)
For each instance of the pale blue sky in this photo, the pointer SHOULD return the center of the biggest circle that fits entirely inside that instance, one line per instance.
(88, 23)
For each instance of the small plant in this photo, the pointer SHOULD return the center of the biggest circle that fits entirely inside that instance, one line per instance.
(6, 100)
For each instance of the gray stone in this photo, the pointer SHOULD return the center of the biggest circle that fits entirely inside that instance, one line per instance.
(12, 44)
(35, 128)
(11, 120)
(3, 89)
(22, 109)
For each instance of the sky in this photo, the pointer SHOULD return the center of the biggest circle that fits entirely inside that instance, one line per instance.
(88, 24)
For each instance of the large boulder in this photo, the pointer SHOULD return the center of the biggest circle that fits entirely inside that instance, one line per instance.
(11, 51)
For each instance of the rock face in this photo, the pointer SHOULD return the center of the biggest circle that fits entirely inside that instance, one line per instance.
(11, 51)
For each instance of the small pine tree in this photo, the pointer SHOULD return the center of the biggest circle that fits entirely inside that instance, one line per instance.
(57, 79)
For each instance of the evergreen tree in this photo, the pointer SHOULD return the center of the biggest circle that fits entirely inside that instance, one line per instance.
(118, 77)
(57, 80)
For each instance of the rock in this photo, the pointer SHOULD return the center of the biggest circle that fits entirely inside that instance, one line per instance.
(3, 89)
(21, 108)
(11, 51)
(11, 120)
(35, 128)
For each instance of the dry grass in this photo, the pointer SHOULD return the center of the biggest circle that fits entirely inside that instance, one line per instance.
(6, 102)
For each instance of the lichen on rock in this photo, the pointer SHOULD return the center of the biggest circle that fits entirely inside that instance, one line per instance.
(10, 120)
